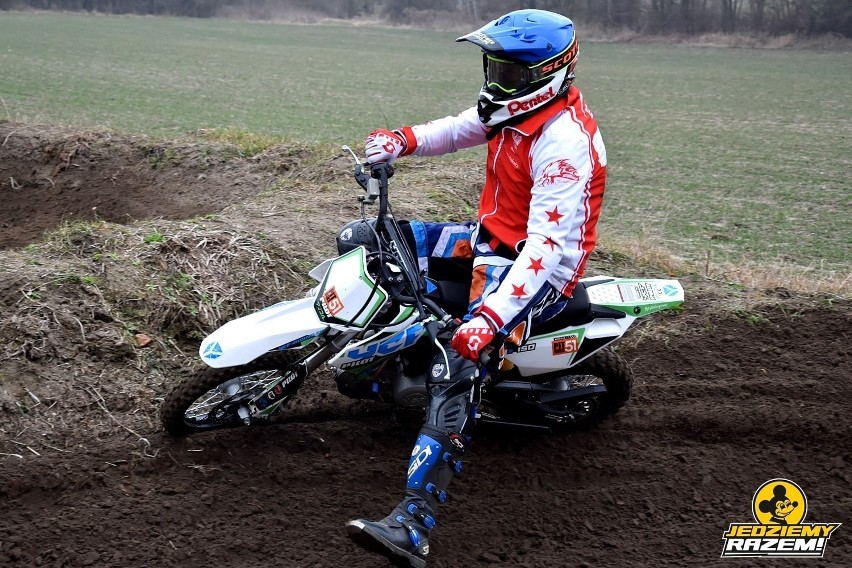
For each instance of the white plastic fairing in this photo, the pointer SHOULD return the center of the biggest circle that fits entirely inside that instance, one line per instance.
(242, 340)
(559, 350)
(367, 350)
(348, 296)
(318, 272)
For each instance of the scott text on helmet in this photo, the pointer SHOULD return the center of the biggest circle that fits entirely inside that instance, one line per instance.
(564, 60)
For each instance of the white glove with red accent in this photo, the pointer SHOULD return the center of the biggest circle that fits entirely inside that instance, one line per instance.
(472, 337)
(382, 145)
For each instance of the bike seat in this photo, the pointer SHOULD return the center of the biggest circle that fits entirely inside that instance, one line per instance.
(578, 311)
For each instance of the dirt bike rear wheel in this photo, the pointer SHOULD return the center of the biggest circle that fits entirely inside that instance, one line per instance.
(610, 369)
(604, 368)
(215, 398)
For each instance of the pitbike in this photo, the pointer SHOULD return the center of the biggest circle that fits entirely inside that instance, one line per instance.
(377, 322)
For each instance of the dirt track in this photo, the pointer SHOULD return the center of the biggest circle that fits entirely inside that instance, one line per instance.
(725, 403)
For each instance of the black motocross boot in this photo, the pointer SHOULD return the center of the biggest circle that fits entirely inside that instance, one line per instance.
(403, 536)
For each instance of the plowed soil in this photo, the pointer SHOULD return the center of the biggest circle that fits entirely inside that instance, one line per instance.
(725, 399)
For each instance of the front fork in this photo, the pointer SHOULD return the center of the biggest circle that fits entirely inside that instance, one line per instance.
(267, 402)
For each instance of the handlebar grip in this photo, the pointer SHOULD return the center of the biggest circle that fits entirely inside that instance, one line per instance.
(495, 343)
(378, 168)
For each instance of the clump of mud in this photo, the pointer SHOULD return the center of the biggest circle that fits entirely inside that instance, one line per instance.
(50, 176)
(118, 258)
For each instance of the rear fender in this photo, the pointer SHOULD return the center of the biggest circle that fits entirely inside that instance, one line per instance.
(637, 297)
(286, 325)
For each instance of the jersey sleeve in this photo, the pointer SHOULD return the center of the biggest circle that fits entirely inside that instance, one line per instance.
(445, 135)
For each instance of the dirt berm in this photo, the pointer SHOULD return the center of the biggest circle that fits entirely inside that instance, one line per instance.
(151, 244)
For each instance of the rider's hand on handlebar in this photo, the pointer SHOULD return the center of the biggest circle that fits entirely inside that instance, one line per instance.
(472, 337)
(382, 145)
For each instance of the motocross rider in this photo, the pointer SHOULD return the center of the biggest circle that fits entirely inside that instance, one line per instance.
(544, 182)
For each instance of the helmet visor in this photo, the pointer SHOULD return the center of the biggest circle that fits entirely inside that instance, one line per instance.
(506, 76)
(509, 77)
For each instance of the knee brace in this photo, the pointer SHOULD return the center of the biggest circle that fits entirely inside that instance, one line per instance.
(437, 455)
(451, 395)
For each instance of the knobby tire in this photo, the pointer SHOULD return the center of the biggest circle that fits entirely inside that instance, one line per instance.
(187, 391)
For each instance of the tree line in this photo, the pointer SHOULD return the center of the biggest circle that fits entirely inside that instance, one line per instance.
(689, 17)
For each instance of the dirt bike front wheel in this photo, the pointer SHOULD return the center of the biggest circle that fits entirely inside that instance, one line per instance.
(219, 398)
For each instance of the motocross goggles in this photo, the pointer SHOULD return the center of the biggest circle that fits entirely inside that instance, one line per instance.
(512, 76)
(508, 76)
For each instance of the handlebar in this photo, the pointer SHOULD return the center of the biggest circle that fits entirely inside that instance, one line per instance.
(381, 172)
(374, 180)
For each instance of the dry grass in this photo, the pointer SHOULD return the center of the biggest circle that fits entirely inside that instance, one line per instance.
(826, 42)
(74, 304)
(795, 279)
(791, 277)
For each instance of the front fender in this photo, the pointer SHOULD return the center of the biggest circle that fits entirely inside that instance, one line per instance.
(286, 324)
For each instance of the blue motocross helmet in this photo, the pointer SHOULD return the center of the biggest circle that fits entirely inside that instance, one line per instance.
(528, 57)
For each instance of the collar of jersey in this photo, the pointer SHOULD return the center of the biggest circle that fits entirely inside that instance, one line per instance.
(535, 121)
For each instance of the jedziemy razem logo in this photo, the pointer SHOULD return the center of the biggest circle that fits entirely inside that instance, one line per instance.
(779, 507)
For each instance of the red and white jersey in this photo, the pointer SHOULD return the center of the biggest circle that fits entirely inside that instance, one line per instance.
(544, 184)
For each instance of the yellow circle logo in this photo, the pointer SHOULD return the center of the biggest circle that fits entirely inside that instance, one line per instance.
(779, 502)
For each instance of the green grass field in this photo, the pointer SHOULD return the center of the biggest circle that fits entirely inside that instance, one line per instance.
(739, 156)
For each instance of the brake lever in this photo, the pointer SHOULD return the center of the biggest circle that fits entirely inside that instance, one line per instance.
(363, 178)
(354, 156)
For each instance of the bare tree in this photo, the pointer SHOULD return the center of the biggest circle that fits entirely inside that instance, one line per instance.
(757, 9)
(470, 8)
(730, 10)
